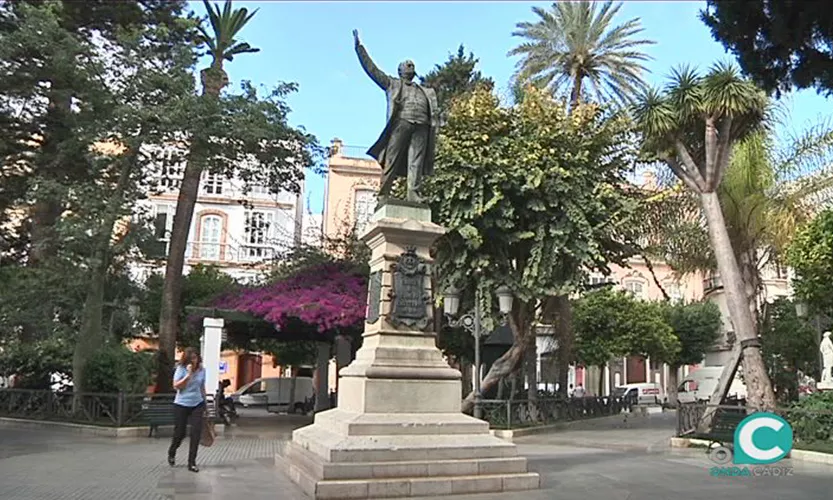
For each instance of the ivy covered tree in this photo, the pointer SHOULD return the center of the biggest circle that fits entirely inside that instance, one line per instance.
(531, 197)
(781, 44)
(811, 256)
(697, 327)
(611, 324)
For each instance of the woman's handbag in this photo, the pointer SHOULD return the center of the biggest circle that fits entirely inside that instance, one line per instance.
(208, 434)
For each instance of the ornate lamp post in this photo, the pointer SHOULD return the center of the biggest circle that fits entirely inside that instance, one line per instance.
(471, 322)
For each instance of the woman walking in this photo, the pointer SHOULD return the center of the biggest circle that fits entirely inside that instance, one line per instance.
(189, 406)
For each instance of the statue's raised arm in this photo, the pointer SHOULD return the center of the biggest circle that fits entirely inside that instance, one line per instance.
(373, 71)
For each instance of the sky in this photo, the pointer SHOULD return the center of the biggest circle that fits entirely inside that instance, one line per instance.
(311, 43)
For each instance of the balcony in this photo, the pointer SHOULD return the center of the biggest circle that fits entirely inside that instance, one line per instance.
(220, 253)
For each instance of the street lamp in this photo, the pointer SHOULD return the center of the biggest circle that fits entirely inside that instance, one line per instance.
(471, 322)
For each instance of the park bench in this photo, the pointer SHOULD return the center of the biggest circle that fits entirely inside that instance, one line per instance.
(726, 421)
(159, 410)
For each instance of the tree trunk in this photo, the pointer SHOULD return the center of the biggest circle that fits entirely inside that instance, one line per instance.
(465, 377)
(504, 366)
(671, 384)
(293, 382)
(564, 334)
(169, 318)
(760, 394)
(90, 337)
(601, 381)
(531, 366)
(575, 94)
(214, 79)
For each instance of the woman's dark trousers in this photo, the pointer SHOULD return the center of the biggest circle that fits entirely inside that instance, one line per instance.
(184, 415)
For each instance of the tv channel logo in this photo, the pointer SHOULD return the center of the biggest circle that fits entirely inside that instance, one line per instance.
(760, 439)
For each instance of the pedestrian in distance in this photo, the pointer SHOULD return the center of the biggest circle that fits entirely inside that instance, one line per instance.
(189, 406)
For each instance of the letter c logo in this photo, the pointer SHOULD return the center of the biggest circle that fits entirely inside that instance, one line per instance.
(762, 438)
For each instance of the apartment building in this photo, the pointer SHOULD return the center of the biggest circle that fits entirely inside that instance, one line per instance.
(240, 231)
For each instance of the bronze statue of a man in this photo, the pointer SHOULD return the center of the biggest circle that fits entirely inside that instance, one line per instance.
(406, 146)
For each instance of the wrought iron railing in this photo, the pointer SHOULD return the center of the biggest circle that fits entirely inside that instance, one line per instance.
(809, 426)
(105, 409)
(515, 414)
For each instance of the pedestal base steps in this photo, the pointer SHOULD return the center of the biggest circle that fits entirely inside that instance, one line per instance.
(346, 455)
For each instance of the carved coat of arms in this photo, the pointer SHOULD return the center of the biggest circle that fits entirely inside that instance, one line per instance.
(409, 299)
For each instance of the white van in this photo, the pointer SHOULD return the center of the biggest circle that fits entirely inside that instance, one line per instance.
(700, 384)
(648, 393)
(275, 393)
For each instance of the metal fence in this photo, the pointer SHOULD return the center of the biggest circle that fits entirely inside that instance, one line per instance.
(516, 414)
(105, 409)
(808, 425)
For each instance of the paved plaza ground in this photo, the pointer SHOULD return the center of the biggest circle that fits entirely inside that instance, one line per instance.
(611, 461)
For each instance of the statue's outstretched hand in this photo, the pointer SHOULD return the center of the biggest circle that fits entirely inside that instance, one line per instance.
(356, 37)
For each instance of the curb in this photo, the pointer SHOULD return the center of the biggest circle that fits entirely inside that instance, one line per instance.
(802, 455)
(510, 434)
(91, 430)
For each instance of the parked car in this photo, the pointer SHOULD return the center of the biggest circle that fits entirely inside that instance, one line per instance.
(702, 382)
(644, 394)
(275, 393)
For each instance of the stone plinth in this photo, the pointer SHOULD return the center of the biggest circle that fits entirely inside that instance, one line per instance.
(824, 386)
(398, 430)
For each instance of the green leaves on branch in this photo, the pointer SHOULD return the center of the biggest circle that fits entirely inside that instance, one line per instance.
(811, 255)
(531, 195)
(611, 324)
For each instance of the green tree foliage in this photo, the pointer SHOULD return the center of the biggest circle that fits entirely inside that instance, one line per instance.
(789, 345)
(697, 327)
(781, 43)
(693, 126)
(33, 363)
(574, 42)
(116, 368)
(611, 324)
(532, 195)
(199, 287)
(454, 78)
(811, 255)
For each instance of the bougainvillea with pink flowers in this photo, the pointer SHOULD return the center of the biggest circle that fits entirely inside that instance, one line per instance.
(330, 297)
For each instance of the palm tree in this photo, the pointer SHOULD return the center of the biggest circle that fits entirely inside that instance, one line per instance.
(574, 43)
(569, 45)
(693, 127)
(222, 46)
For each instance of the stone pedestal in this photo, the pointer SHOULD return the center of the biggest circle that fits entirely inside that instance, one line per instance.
(398, 430)
(824, 386)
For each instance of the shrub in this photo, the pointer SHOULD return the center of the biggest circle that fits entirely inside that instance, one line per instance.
(118, 369)
(812, 418)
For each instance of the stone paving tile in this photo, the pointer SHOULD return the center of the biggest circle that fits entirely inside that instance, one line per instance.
(46, 465)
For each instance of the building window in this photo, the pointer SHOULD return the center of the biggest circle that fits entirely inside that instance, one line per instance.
(674, 292)
(365, 205)
(260, 231)
(259, 190)
(212, 184)
(635, 288)
(211, 228)
(173, 168)
(600, 280)
(163, 221)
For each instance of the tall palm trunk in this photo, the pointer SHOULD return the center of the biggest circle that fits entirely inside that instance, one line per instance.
(759, 389)
(214, 79)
